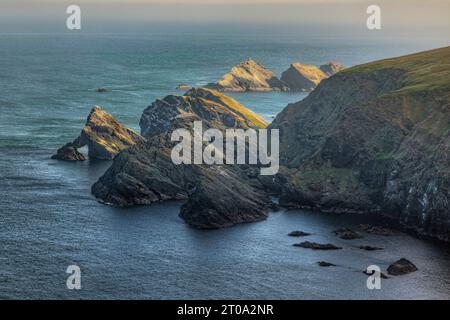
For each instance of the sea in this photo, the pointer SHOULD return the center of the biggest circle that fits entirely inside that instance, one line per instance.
(49, 220)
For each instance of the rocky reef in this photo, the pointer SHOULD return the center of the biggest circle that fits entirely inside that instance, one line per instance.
(249, 75)
(374, 138)
(216, 196)
(104, 136)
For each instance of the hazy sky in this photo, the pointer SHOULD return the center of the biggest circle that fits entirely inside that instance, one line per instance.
(427, 17)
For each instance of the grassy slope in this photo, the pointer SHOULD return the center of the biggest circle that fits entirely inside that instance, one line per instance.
(427, 70)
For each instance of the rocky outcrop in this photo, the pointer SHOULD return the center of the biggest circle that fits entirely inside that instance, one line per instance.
(298, 233)
(401, 267)
(216, 196)
(316, 246)
(374, 138)
(302, 77)
(69, 152)
(347, 234)
(104, 136)
(249, 76)
(331, 68)
(325, 264)
(213, 108)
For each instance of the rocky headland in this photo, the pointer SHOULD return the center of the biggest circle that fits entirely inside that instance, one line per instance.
(216, 196)
(374, 138)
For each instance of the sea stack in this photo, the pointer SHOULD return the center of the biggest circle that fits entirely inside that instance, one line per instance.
(104, 136)
(303, 77)
(249, 75)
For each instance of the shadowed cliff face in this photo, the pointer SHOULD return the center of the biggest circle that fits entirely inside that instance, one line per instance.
(374, 138)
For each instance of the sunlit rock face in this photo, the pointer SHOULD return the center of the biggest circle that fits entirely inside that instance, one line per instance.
(104, 136)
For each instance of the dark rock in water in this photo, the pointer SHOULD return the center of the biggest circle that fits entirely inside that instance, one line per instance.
(316, 246)
(374, 138)
(302, 77)
(331, 68)
(249, 76)
(347, 234)
(104, 136)
(401, 267)
(325, 264)
(378, 230)
(69, 152)
(382, 275)
(369, 248)
(102, 90)
(298, 233)
(217, 196)
(222, 200)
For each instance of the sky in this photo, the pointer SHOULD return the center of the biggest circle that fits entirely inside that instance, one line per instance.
(430, 17)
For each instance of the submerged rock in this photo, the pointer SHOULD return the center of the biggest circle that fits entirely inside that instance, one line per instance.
(316, 246)
(369, 248)
(401, 267)
(69, 152)
(302, 77)
(378, 230)
(249, 76)
(104, 136)
(347, 234)
(103, 90)
(298, 233)
(325, 264)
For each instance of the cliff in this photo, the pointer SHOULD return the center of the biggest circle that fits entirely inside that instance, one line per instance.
(249, 76)
(374, 138)
(217, 196)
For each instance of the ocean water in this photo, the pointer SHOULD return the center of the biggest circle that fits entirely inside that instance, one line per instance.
(49, 220)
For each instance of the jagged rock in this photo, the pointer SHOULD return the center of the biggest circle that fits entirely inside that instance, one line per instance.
(212, 107)
(298, 233)
(104, 136)
(325, 264)
(183, 87)
(331, 68)
(103, 90)
(401, 267)
(369, 248)
(249, 76)
(347, 234)
(302, 77)
(69, 152)
(374, 138)
(217, 196)
(316, 246)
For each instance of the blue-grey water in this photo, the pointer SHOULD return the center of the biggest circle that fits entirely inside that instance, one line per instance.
(49, 220)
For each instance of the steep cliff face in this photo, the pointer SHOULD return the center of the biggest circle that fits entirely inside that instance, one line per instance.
(249, 76)
(374, 138)
(217, 196)
(104, 136)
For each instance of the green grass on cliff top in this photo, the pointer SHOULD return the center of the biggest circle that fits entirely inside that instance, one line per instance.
(425, 71)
